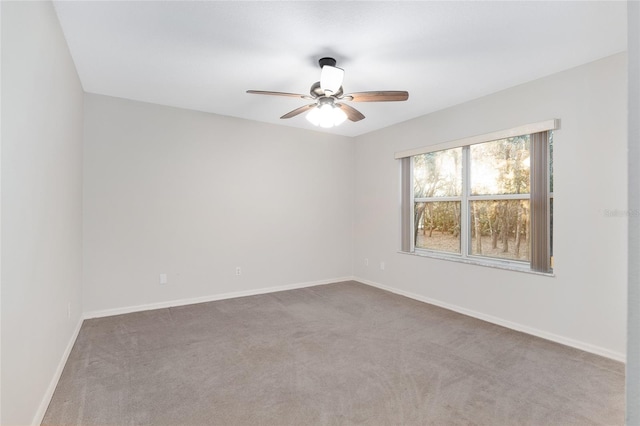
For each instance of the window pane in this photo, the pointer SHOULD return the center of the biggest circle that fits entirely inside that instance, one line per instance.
(500, 167)
(437, 226)
(500, 229)
(438, 174)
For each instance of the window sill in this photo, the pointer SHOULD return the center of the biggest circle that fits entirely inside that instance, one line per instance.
(491, 263)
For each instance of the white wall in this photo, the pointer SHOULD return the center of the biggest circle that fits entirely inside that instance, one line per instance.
(633, 321)
(41, 206)
(195, 195)
(585, 303)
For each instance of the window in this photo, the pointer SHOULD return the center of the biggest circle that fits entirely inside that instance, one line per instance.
(486, 199)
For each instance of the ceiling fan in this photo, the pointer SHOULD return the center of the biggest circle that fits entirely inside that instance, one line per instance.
(328, 109)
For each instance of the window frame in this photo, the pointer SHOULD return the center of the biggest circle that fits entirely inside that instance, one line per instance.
(534, 264)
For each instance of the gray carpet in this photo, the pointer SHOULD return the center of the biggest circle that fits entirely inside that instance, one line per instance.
(338, 354)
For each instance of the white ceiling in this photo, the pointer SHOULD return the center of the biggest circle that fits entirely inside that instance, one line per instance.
(204, 55)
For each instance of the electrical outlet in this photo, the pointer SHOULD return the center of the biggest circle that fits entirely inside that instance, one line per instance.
(163, 278)
(366, 262)
(382, 266)
(238, 271)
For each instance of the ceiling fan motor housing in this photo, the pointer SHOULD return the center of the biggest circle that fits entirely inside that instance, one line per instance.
(317, 92)
(326, 101)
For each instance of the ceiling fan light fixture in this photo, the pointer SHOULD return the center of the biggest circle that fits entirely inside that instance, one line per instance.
(339, 116)
(314, 116)
(331, 79)
(326, 116)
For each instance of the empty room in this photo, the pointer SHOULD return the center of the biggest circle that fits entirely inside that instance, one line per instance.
(318, 213)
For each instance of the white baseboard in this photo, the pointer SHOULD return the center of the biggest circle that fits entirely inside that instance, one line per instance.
(209, 298)
(587, 347)
(46, 399)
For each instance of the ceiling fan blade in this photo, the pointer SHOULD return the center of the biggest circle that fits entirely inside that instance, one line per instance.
(352, 113)
(298, 111)
(264, 92)
(331, 79)
(378, 96)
